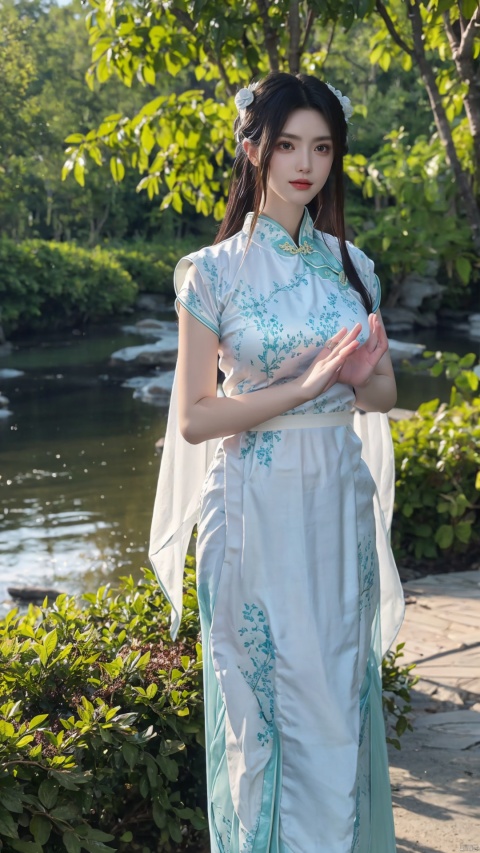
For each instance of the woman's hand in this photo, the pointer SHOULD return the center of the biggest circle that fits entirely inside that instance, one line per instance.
(359, 367)
(325, 370)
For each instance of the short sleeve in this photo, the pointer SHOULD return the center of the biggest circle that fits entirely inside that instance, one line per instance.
(366, 270)
(373, 285)
(196, 295)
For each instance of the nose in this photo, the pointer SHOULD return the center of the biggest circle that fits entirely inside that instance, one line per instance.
(304, 162)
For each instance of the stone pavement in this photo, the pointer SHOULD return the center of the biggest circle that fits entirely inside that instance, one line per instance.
(435, 776)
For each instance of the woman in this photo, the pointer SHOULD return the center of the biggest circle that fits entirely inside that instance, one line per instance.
(290, 528)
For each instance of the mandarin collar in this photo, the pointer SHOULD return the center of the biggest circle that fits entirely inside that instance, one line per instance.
(271, 234)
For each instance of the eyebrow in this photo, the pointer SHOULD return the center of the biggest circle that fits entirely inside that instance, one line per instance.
(299, 138)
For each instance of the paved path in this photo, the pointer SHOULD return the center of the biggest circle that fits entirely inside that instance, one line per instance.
(435, 776)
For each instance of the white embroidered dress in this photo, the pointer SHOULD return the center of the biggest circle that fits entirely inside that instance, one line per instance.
(289, 581)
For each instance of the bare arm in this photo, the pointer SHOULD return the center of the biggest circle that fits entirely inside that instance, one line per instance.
(203, 415)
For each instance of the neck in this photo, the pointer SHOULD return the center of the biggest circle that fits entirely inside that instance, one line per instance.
(288, 216)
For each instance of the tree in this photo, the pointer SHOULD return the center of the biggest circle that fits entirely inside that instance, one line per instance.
(44, 56)
(442, 38)
(179, 141)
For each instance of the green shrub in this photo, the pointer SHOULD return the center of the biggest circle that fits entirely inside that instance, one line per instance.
(151, 265)
(396, 685)
(150, 273)
(437, 458)
(101, 725)
(46, 285)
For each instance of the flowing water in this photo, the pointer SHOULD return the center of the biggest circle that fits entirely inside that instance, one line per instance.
(78, 465)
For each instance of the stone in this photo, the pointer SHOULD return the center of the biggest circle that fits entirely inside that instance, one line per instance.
(136, 382)
(152, 328)
(399, 350)
(4, 414)
(416, 288)
(450, 729)
(399, 319)
(156, 391)
(162, 353)
(426, 319)
(10, 373)
(4, 401)
(33, 593)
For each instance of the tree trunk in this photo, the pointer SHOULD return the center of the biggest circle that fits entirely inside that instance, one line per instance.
(270, 35)
(461, 46)
(444, 130)
(294, 51)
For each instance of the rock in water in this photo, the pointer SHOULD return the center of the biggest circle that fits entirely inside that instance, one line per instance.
(33, 593)
(400, 350)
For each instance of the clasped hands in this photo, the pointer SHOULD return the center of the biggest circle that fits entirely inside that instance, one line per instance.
(343, 359)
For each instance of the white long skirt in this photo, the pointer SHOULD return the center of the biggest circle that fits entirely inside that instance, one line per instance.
(288, 586)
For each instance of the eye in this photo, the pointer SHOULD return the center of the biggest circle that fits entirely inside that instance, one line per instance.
(326, 148)
(284, 145)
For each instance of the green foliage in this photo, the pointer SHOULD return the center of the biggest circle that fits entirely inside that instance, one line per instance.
(397, 684)
(101, 725)
(151, 266)
(58, 285)
(457, 369)
(412, 224)
(44, 55)
(182, 144)
(437, 458)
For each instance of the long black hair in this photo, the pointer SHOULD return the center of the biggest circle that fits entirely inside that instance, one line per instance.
(275, 97)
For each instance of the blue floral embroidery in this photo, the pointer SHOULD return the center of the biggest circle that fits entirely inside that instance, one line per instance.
(193, 301)
(367, 563)
(250, 438)
(265, 450)
(325, 325)
(255, 307)
(261, 653)
(248, 837)
(320, 405)
(211, 272)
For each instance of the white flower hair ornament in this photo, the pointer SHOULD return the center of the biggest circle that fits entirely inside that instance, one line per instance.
(245, 97)
(345, 102)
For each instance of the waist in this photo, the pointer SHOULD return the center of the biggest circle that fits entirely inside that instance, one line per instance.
(308, 421)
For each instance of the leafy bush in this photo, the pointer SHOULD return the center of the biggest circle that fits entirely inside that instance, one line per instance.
(102, 728)
(57, 285)
(396, 685)
(437, 456)
(101, 719)
(151, 265)
(149, 272)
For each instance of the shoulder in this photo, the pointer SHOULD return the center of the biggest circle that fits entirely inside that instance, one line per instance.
(358, 256)
(362, 262)
(213, 267)
(214, 262)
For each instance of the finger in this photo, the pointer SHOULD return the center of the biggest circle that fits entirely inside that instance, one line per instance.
(332, 342)
(372, 342)
(342, 336)
(342, 353)
(348, 339)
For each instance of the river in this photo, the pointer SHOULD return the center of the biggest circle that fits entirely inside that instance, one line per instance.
(78, 465)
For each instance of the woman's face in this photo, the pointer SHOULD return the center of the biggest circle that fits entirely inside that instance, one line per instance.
(301, 159)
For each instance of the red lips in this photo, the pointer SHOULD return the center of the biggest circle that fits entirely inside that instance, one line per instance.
(301, 185)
